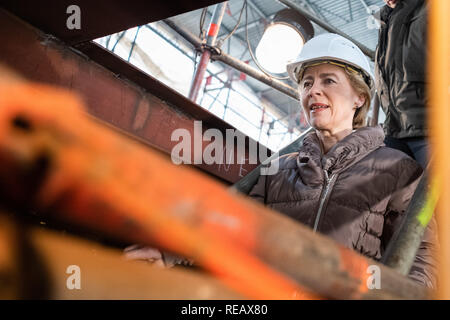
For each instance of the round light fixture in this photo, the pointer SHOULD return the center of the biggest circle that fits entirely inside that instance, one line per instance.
(283, 40)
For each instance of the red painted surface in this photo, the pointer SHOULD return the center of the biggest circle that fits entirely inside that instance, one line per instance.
(213, 29)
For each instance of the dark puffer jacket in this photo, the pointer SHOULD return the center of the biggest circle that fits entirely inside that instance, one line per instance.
(400, 68)
(356, 194)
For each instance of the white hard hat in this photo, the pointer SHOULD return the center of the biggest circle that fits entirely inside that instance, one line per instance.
(331, 47)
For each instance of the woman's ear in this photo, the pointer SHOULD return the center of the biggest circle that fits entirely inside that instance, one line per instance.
(360, 100)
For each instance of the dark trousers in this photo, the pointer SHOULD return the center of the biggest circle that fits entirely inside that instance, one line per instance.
(416, 148)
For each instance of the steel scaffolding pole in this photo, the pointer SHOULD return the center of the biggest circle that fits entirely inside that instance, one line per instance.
(236, 63)
(213, 30)
(375, 111)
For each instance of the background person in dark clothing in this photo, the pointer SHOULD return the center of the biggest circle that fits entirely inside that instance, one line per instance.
(400, 76)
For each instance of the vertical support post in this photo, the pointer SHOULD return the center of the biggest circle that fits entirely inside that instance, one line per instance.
(439, 124)
(213, 31)
(199, 75)
(375, 111)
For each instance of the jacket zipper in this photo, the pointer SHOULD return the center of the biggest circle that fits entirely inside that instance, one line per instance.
(323, 197)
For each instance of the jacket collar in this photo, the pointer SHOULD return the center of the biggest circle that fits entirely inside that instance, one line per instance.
(405, 6)
(343, 154)
(383, 14)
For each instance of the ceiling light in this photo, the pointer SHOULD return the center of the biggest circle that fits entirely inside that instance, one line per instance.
(283, 40)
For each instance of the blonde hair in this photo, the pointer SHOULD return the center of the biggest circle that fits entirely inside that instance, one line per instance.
(361, 87)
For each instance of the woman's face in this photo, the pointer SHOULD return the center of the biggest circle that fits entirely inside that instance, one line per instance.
(391, 3)
(328, 99)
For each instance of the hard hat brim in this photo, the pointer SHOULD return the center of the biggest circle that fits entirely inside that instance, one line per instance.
(293, 69)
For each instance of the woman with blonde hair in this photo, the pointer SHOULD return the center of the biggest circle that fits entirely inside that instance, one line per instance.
(343, 182)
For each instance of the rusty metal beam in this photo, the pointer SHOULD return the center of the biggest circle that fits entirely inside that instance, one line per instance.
(98, 18)
(125, 97)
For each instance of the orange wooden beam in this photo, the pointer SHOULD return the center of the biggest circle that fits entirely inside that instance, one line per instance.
(439, 124)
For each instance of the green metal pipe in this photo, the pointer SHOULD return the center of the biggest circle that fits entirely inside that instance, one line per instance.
(402, 248)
